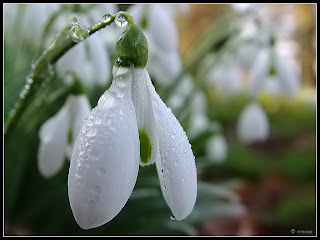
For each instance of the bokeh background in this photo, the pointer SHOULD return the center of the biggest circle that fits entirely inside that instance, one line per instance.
(201, 60)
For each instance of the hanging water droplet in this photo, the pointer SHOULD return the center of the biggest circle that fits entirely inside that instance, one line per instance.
(106, 17)
(172, 217)
(85, 32)
(75, 33)
(74, 20)
(121, 21)
(91, 204)
(78, 33)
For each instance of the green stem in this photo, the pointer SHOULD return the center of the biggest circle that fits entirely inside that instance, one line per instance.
(42, 67)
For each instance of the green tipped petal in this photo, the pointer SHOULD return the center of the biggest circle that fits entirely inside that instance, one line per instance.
(145, 146)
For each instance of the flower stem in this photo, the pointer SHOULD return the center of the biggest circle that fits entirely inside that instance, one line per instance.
(44, 67)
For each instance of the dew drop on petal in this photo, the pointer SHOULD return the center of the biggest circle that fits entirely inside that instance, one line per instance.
(102, 171)
(97, 188)
(91, 204)
(172, 217)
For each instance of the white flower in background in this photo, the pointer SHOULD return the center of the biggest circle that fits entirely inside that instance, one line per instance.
(248, 41)
(160, 29)
(217, 148)
(183, 90)
(89, 59)
(253, 124)
(272, 65)
(107, 153)
(54, 133)
(198, 121)
(226, 77)
(34, 19)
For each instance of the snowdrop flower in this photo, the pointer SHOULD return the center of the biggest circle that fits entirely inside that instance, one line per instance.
(107, 153)
(253, 124)
(184, 89)
(54, 133)
(35, 17)
(226, 76)
(217, 148)
(89, 59)
(199, 121)
(160, 29)
(272, 65)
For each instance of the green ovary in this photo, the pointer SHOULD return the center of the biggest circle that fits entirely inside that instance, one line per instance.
(145, 146)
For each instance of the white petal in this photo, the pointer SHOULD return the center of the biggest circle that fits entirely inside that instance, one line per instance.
(53, 136)
(99, 60)
(288, 75)
(217, 148)
(259, 73)
(80, 109)
(142, 102)
(253, 124)
(162, 28)
(105, 159)
(198, 121)
(89, 60)
(163, 65)
(176, 167)
(226, 77)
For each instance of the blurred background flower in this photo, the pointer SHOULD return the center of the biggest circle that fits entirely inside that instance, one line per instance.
(211, 64)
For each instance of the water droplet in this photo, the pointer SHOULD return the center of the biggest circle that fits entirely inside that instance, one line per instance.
(78, 33)
(23, 93)
(91, 204)
(97, 120)
(27, 87)
(75, 33)
(30, 81)
(107, 121)
(121, 21)
(97, 189)
(106, 17)
(172, 136)
(85, 31)
(74, 20)
(93, 153)
(172, 217)
(120, 94)
(91, 132)
(102, 171)
(89, 122)
(121, 83)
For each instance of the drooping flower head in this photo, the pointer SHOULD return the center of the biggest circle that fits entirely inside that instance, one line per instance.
(253, 124)
(130, 126)
(59, 132)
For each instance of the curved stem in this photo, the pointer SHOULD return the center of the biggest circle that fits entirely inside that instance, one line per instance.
(44, 66)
